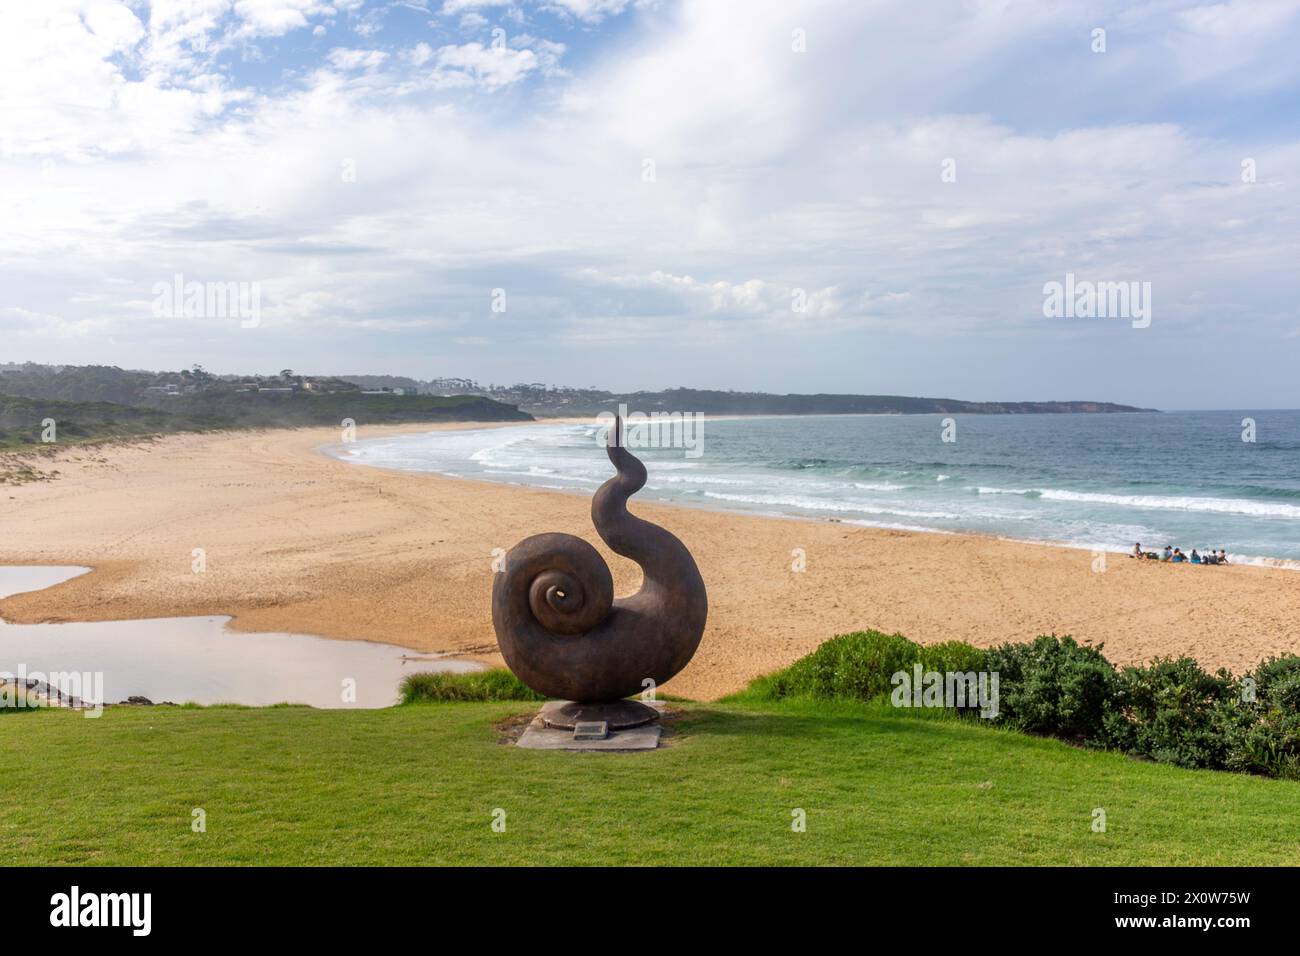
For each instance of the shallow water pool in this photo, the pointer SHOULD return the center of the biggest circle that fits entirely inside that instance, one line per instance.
(200, 660)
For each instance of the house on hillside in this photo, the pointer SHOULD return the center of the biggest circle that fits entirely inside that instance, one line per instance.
(322, 386)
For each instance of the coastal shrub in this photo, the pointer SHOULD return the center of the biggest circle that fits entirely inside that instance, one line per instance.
(14, 700)
(1277, 682)
(860, 666)
(1053, 686)
(497, 684)
(1264, 736)
(1172, 711)
(952, 656)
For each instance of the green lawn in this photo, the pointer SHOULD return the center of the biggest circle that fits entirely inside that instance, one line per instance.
(418, 784)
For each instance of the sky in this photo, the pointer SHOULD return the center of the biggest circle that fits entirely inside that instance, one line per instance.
(771, 195)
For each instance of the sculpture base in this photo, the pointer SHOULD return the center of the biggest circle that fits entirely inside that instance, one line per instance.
(565, 725)
(616, 714)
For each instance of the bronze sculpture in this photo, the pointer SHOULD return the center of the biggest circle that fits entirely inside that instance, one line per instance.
(562, 632)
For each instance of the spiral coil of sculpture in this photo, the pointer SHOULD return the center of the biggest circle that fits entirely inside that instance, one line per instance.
(558, 625)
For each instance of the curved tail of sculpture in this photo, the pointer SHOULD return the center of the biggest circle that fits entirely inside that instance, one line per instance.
(659, 552)
(559, 628)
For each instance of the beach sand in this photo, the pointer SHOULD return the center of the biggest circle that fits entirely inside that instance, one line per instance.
(297, 541)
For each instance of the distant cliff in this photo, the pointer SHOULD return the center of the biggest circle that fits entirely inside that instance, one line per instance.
(758, 403)
(553, 401)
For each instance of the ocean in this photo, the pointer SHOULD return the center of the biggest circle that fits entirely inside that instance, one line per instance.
(1100, 482)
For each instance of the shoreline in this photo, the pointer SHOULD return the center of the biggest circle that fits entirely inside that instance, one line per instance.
(299, 541)
(1268, 562)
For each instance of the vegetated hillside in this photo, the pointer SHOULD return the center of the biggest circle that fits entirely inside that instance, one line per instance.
(22, 421)
(249, 397)
(711, 402)
(75, 383)
(289, 409)
(549, 400)
(385, 381)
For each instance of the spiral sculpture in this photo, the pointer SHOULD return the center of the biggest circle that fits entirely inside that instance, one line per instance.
(558, 625)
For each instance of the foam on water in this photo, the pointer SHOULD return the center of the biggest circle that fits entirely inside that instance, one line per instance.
(1096, 481)
(1168, 503)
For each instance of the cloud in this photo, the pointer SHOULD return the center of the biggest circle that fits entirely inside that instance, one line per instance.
(588, 11)
(86, 79)
(17, 321)
(472, 64)
(380, 192)
(275, 18)
(592, 11)
(344, 59)
(452, 7)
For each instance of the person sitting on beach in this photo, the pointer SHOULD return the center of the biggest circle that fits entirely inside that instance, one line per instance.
(1169, 553)
(1223, 557)
(1196, 557)
(1137, 550)
(1179, 557)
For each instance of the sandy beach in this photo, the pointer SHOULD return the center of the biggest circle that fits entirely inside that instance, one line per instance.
(298, 541)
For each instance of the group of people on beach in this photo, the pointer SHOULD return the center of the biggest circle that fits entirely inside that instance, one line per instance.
(1176, 555)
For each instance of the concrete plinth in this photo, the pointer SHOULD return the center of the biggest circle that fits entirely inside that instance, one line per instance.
(618, 714)
(631, 727)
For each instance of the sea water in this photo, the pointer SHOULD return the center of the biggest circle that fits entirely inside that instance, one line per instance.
(1216, 479)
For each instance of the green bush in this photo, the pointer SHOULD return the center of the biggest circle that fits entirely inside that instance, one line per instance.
(860, 666)
(1277, 682)
(14, 700)
(1264, 732)
(1172, 711)
(498, 684)
(1053, 686)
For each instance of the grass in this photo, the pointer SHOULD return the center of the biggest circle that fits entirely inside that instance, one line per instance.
(418, 784)
(490, 685)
